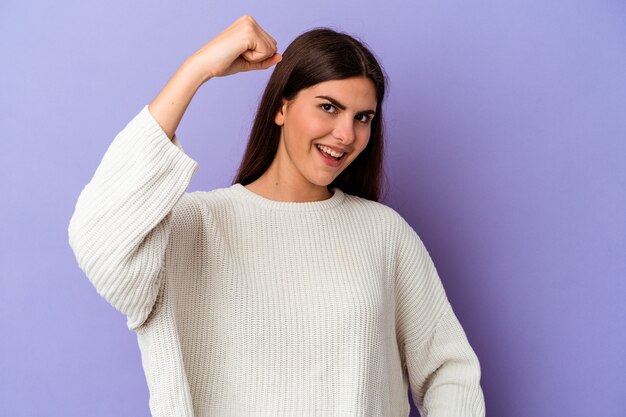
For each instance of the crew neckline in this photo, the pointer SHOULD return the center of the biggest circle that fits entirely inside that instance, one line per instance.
(333, 201)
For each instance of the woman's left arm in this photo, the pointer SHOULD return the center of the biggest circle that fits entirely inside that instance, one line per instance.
(444, 372)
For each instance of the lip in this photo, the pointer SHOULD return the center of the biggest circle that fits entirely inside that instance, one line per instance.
(327, 160)
(334, 148)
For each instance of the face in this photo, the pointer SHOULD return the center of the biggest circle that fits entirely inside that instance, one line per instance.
(324, 128)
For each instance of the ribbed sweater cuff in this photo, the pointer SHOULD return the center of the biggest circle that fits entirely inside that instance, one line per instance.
(155, 135)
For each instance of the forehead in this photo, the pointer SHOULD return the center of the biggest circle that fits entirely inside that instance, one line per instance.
(358, 92)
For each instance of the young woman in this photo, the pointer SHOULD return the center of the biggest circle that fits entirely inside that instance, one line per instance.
(292, 292)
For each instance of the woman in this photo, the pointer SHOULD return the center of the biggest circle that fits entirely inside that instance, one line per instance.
(292, 292)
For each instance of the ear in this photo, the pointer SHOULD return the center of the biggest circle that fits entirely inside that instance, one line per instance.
(279, 118)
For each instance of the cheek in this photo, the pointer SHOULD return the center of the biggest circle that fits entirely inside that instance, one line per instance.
(317, 127)
(363, 141)
(364, 138)
(304, 129)
(313, 123)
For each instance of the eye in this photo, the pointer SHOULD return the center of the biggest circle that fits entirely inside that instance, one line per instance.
(364, 118)
(329, 108)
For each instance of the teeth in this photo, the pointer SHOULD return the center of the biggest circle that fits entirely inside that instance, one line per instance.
(330, 151)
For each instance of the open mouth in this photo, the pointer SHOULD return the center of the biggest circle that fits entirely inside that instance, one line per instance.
(329, 153)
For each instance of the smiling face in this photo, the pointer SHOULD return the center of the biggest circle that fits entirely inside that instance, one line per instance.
(323, 129)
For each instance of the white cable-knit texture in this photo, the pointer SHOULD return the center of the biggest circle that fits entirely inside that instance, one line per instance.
(245, 306)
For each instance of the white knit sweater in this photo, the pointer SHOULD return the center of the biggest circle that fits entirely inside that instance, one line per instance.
(245, 306)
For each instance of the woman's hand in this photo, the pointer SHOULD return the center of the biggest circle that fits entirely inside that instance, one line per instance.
(243, 46)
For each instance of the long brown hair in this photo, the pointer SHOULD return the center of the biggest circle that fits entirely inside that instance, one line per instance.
(318, 55)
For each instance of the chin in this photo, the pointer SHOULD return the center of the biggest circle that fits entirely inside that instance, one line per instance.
(322, 182)
(323, 179)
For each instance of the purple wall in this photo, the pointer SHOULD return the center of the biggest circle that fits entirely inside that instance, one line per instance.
(506, 152)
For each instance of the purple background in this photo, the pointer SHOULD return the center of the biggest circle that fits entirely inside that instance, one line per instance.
(506, 153)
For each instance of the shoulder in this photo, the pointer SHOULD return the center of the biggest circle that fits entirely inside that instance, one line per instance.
(380, 213)
(400, 240)
(196, 208)
(400, 236)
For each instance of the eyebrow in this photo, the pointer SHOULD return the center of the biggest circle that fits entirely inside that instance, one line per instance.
(342, 107)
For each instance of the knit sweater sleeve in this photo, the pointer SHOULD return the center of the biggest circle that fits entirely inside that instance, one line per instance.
(121, 223)
(443, 370)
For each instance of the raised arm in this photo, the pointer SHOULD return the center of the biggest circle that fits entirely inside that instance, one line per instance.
(122, 221)
(243, 46)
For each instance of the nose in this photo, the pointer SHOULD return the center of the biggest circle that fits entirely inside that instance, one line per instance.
(344, 130)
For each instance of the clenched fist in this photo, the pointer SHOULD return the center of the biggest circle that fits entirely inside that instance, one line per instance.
(243, 46)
